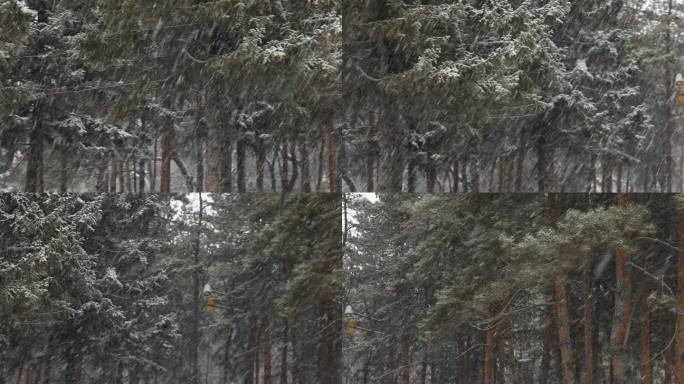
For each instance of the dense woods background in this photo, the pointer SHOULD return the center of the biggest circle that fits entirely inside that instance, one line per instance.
(108, 289)
(485, 288)
(340, 95)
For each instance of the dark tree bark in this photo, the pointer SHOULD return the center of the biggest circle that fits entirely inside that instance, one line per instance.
(305, 181)
(34, 161)
(166, 155)
(241, 160)
(622, 311)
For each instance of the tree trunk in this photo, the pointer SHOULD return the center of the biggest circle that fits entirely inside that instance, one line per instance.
(564, 337)
(588, 322)
(225, 162)
(411, 175)
(227, 359)
(430, 174)
(167, 150)
(251, 347)
(372, 149)
(454, 177)
(283, 355)
(405, 359)
(267, 354)
(332, 143)
(256, 352)
(502, 175)
(153, 166)
(520, 162)
(515, 374)
(260, 153)
(34, 165)
(141, 176)
(679, 352)
(199, 187)
(501, 355)
(488, 372)
(305, 181)
(474, 176)
(196, 305)
(127, 173)
(646, 365)
(623, 289)
(391, 152)
(64, 171)
(241, 154)
(122, 176)
(284, 172)
(112, 175)
(330, 347)
(321, 152)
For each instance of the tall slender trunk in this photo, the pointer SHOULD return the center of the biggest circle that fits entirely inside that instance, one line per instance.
(257, 369)
(542, 165)
(679, 352)
(283, 355)
(153, 166)
(251, 349)
(321, 153)
(332, 143)
(520, 162)
(502, 175)
(215, 149)
(226, 161)
(669, 357)
(341, 160)
(284, 172)
(405, 359)
(102, 180)
(488, 370)
(474, 176)
(366, 367)
(305, 181)
(501, 355)
(411, 175)
(122, 176)
(34, 166)
(515, 374)
(646, 370)
(127, 173)
(588, 322)
(564, 337)
(112, 174)
(619, 178)
(166, 155)
(391, 152)
(454, 177)
(196, 309)
(329, 369)
(372, 149)
(669, 89)
(430, 174)
(64, 171)
(241, 152)
(268, 378)
(227, 358)
(141, 175)
(260, 153)
(199, 187)
(464, 174)
(623, 288)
